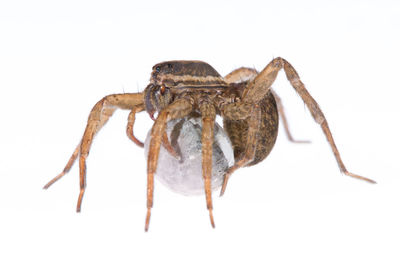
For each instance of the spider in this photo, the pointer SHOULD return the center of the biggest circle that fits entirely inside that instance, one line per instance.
(178, 89)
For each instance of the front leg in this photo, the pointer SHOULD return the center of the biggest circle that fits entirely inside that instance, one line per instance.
(99, 115)
(208, 115)
(259, 87)
(178, 109)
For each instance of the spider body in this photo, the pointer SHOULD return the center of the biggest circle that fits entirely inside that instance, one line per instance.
(198, 81)
(178, 89)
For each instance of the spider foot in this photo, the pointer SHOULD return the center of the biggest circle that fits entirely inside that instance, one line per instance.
(146, 227)
(300, 141)
(359, 177)
(52, 181)
(223, 188)
(228, 174)
(79, 204)
(211, 218)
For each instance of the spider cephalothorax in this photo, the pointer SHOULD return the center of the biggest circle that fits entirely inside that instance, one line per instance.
(185, 73)
(178, 89)
(172, 78)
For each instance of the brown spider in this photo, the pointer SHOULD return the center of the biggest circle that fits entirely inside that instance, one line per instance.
(177, 89)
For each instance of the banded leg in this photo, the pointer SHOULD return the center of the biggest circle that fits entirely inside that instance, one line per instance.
(282, 115)
(99, 115)
(178, 109)
(208, 115)
(251, 144)
(257, 89)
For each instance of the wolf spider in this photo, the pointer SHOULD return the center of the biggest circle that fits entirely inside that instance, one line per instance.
(178, 89)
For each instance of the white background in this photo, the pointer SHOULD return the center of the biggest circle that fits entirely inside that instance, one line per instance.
(294, 209)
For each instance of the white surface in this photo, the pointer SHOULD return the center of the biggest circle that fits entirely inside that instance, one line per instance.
(294, 209)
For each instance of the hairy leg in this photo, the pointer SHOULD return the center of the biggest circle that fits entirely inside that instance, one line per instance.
(99, 115)
(178, 109)
(282, 115)
(208, 115)
(258, 87)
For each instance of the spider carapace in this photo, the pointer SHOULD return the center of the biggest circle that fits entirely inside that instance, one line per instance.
(177, 89)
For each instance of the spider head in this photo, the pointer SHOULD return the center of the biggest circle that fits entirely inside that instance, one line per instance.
(156, 97)
(178, 75)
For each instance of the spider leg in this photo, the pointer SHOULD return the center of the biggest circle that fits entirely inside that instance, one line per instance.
(208, 115)
(241, 75)
(168, 146)
(129, 132)
(107, 113)
(284, 120)
(244, 74)
(178, 109)
(99, 115)
(131, 122)
(257, 89)
(251, 145)
(69, 165)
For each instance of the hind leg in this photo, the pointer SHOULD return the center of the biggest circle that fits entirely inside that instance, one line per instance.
(259, 87)
(282, 116)
(244, 74)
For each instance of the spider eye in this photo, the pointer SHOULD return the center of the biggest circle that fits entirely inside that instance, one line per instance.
(169, 65)
(158, 68)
